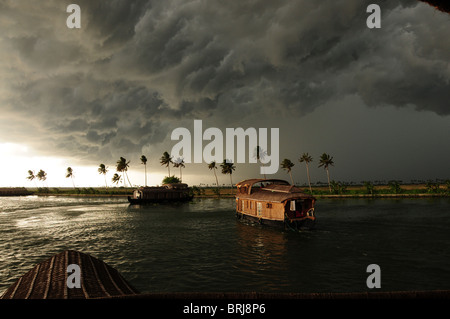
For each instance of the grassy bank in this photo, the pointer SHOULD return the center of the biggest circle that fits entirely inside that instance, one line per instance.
(359, 191)
(81, 191)
(338, 190)
(14, 191)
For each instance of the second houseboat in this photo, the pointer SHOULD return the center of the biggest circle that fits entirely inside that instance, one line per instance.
(168, 193)
(275, 202)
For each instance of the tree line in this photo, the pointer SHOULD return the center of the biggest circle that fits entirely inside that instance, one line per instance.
(325, 161)
(227, 168)
(122, 166)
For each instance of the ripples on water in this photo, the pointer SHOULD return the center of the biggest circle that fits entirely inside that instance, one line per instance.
(201, 247)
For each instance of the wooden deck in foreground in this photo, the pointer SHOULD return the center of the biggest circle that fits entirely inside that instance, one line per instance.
(48, 280)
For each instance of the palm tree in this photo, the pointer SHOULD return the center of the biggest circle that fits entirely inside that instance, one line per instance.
(41, 175)
(122, 166)
(102, 170)
(228, 168)
(116, 178)
(166, 159)
(212, 166)
(259, 153)
(31, 176)
(144, 161)
(69, 173)
(287, 165)
(179, 162)
(325, 161)
(307, 159)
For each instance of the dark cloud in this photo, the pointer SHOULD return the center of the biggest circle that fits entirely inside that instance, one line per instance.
(442, 5)
(136, 69)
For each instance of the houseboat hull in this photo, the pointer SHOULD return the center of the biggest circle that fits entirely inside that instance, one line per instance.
(307, 223)
(169, 193)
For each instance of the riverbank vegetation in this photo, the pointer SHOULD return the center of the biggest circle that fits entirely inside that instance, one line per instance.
(392, 188)
(342, 189)
(332, 188)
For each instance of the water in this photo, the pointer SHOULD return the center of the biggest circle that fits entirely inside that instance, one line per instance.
(201, 247)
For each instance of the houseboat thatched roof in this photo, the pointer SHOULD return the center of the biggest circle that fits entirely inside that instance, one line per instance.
(176, 186)
(272, 190)
(164, 187)
(48, 280)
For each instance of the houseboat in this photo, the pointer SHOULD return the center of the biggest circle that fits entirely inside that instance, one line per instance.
(168, 193)
(275, 202)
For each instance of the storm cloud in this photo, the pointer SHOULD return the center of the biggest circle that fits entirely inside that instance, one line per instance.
(137, 69)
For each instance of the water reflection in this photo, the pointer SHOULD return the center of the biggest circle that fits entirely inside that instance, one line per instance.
(262, 255)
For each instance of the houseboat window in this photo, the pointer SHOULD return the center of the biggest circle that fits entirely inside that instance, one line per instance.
(292, 205)
(259, 208)
(251, 205)
(243, 204)
(269, 205)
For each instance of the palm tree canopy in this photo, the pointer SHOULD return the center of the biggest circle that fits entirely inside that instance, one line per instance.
(227, 167)
(69, 172)
(30, 175)
(326, 160)
(166, 159)
(42, 175)
(259, 153)
(179, 162)
(102, 169)
(305, 158)
(122, 165)
(212, 165)
(287, 164)
(116, 178)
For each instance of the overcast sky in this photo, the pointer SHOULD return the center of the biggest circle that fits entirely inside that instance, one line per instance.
(377, 100)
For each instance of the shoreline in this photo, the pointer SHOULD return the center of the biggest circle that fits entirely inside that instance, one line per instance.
(410, 191)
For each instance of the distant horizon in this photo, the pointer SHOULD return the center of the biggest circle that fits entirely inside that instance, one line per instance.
(317, 184)
(154, 179)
